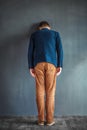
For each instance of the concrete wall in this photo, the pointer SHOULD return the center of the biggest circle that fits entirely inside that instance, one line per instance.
(18, 19)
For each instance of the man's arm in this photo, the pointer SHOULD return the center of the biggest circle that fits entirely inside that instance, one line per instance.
(59, 54)
(30, 57)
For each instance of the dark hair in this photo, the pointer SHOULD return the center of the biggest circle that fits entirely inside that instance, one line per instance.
(43, 23)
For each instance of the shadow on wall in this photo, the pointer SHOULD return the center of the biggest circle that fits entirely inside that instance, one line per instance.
(14, 73)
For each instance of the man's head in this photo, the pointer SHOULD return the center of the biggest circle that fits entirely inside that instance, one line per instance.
(44, 24)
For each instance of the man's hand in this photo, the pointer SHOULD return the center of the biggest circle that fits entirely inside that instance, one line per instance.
(32, 72)
(59, 69)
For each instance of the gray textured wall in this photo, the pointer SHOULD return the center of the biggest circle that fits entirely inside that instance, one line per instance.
(17, 21)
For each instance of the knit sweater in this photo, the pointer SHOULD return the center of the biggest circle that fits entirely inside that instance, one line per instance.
(45, 46)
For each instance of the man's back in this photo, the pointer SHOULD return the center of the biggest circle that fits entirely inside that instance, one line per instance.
(45, 44)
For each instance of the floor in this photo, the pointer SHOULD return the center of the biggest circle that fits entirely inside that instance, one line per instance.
(30, 123)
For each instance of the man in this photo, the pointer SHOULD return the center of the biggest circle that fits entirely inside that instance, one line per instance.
(45, 59)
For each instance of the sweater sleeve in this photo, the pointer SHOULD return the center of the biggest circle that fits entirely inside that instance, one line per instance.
(31, 53)
(59, 50)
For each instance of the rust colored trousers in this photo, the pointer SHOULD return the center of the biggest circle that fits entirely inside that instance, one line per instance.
(45, 78)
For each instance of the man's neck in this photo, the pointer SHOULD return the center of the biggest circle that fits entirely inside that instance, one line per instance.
(44, 28)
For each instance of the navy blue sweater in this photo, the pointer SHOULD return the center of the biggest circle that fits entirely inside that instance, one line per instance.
(45, 46)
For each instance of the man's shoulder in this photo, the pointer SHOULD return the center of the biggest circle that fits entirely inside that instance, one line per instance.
(54, 31)
(34, 33)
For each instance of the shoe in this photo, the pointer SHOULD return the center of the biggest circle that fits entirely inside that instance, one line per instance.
(50, 124)
(41, 123)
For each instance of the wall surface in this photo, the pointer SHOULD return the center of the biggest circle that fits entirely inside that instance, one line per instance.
(18, 19)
